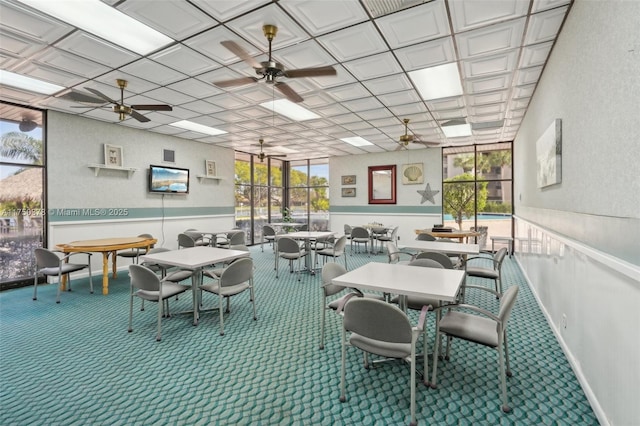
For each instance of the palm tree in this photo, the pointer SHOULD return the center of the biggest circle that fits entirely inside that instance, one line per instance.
(20, 146)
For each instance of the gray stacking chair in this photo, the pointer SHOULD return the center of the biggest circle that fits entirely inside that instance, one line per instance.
(268, 235)
(494, 272)
(416, 302)
(198, 237)
(215, 273)
(395, 254)
(185, 241)
(330, 271)
(233, 238)
(425, 237)
(49, 264)
(290, 250)
(384, 238)
(135, 253)
(379, 328)
(146, 285)
(441, 258)
(360, 235)
(336, 251)
(235, 279)
(482, 327)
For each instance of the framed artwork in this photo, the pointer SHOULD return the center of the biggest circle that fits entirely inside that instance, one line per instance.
(210, 168)
(113, 155)
(382, 184)
(348, 192)
(549, 155)
(349, 180)
(412, 174)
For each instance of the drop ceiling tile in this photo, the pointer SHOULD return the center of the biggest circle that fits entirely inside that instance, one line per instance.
(8, 61)
(346, 118)
(349, 91)
(169, 96)
(374, 66)
(528, 76)
(491, 40)
(427, 22)
(108, 86)
(69, 62)
(178, 20)
(488, 84)
(364, 104)
(487, 98)
(520, 103)
(544, 26)
(49, 74)
(195, 88)
(485, 110)
(146, 68)
(444, 104)
(342, 77)
(17, 95)
(427, 54)
(408, 109)
(535, 54)
(27, 23)
(227, 101)
(540, 5)
(96, 49)
(16, 45)
(317, 99)
(257, 113)
(331, 110)
(224, 10)
(354, 42)
(449, 114)
(182, 58)
(307, 54)
(320, 18)
(523, 91)
(469, 14)
(250, 28)
(375, 114)
(208, 43)
(388, 84)
(400, 98)
(487, 65)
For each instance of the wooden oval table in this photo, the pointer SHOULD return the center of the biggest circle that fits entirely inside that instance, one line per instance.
(459, 234)
(106, 246)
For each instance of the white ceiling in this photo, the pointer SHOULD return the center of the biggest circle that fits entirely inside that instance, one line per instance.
(499, 46)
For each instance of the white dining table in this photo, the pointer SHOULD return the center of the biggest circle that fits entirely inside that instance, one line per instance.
(307, 237)
(405, 280)
(462, 249)
(195, 259)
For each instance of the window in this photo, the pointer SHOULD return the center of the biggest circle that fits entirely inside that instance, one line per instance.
(477, 189)
(22, 204)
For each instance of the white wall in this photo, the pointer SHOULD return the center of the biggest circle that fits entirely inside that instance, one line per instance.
(586, 265)
(408, 213)
(128, 209)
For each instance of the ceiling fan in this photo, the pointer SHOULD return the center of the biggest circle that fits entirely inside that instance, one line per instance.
(27, 123)
(270, 70)
(262, 155)
(118, 107)
(407, 138)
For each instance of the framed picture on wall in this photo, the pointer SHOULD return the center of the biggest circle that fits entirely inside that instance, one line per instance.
(348, 192)
(382, 184)
(349, 180)
(412, 174)
(210, 168)
(113, 155)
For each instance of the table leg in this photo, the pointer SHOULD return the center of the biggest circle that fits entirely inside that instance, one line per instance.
(105, 273)
(195, 284)
(114, 268)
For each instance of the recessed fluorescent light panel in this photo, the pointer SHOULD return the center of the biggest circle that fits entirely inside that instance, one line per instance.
(289, 109)
(438, 82)
(457, 131)
(200, 128)
(27, 83)
(104, 21)
(356, 141)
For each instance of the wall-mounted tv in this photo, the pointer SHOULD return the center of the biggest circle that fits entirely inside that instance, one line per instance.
(168, 180)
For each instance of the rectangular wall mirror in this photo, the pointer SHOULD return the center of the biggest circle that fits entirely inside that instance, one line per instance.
(382, 184)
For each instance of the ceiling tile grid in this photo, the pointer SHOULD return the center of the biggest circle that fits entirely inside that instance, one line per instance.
(500, 48)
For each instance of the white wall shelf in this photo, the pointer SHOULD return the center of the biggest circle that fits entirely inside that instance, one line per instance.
(205, 177)
(97, 167)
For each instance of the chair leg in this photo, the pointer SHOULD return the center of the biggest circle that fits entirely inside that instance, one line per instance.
(413, 384)
(253, 301)
(343, 396)
(130, 311)
(221, 315)
(160, 312)
(35, 286)
(323, 312)
(503, 379)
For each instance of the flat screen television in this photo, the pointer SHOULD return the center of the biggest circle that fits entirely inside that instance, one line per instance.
(168, 180)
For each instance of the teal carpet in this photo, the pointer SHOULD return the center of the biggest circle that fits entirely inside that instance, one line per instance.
(75, 364)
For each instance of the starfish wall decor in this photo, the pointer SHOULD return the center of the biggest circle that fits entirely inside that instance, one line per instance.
(427, 194)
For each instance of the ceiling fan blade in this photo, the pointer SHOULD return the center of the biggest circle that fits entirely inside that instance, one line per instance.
(236, 49)
(400, 147)
(141, 118)
(310, 72)
(276, 155)
(286, 90)
(428, 143)
(235, 82)
(158, 107)
(76, 96)
(102, 95)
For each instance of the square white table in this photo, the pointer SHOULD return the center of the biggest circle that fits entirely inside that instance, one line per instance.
(307, 236)
(405, 280)
(194, 258)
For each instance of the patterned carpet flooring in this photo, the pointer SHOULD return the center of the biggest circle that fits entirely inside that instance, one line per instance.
(76, 364)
